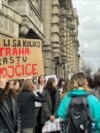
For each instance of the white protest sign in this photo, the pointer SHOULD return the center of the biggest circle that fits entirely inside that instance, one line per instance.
(51, 126)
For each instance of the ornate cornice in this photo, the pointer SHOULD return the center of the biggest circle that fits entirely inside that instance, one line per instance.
(28, 24)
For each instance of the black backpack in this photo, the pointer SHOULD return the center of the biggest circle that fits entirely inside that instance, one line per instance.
(78, 119)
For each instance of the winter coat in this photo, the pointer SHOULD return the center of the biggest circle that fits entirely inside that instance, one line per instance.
(26, 101)
(9, 123)
(93, 103)
(47, 105)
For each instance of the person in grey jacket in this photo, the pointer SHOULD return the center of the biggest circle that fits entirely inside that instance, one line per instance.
(52, 101)
(26, 101)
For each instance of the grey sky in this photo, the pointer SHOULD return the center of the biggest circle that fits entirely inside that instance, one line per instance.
(89, 30)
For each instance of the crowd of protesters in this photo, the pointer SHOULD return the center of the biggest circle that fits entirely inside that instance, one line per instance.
(26, 105)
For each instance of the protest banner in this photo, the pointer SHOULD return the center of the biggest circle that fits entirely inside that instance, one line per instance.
(20, 58)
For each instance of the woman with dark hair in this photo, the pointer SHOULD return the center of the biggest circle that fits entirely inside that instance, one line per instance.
(61, 84)
(17, 86)
(65, 88)
(41, 83)
(90, 82)
(9, 115)
(38, 105)
(52, 98)
(26, 101)
(96, 86)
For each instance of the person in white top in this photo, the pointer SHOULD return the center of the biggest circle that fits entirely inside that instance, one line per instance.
(38, 105)
(41, 82)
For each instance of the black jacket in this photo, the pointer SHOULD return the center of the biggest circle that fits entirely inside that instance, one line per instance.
(26, 101)
(8, 123)
(47, 106)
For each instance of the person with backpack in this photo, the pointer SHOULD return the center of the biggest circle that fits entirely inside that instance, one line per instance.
(79, 110)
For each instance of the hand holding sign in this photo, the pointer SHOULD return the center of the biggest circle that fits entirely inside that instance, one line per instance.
(52, 118)
(51, 126)
(3, 81)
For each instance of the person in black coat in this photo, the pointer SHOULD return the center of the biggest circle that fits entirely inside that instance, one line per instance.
(26, 101)
(52, 101)
(9, 115)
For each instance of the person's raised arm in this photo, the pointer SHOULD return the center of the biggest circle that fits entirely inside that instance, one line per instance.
(3, 81)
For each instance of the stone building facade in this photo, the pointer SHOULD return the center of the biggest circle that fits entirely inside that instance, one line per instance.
(21, 18)
(61, 31)
(55, 22)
